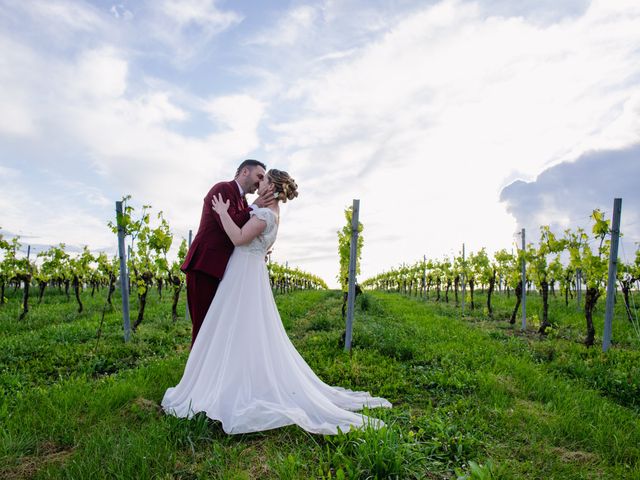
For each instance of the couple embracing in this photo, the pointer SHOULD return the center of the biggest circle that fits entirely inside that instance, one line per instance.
(242, 369)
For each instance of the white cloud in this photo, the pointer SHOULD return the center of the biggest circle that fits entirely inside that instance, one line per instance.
(187, 27)
(426, 122)
(156, 108)
(423, 113)
(99, 73)
(119, 11)
(241, 112)
(136, 149)
(564, 195)
(16, 65)
(16, 119)
(294, 25)
(62, 15)
(53, 216)
(126, 129)
(198, 12)
(6, 172)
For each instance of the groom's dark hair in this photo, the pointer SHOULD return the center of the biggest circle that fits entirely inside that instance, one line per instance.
(250, 163)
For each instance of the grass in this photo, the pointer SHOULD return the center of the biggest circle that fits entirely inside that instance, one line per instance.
(473, 397)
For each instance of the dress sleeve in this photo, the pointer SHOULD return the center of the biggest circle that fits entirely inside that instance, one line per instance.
(263, 214)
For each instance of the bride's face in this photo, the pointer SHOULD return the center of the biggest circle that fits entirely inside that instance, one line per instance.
(264, 185)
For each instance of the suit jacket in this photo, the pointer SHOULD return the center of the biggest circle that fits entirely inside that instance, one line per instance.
(211, 247)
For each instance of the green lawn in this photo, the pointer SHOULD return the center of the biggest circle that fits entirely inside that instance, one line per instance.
(473, 397)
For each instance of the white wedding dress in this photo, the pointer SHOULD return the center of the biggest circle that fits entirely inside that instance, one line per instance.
(244, 371)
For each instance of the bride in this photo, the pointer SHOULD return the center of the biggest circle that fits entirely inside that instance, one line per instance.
(243, 370)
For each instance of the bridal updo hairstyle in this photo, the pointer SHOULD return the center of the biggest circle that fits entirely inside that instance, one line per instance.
(285, 187)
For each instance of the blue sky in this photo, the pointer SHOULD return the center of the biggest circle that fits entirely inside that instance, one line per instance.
(427, 111)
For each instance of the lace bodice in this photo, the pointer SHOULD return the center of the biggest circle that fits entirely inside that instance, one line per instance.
(261, 244)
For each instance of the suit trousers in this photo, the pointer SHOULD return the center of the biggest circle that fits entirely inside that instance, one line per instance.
(201, 288)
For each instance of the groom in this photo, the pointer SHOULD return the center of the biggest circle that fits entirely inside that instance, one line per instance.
(211, 248)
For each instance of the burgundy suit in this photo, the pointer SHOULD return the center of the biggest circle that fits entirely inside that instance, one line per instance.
(210, 250)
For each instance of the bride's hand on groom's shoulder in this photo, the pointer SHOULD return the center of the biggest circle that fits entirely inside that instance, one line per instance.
(219, 205)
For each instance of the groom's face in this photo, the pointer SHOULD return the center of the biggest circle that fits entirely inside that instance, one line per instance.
(253, 178)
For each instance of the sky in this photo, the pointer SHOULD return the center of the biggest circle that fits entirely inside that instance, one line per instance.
(451, 121)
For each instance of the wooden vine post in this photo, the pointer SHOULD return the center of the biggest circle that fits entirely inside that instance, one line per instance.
(352, 274)
(524, 282)
(124, 280)
(611, 280)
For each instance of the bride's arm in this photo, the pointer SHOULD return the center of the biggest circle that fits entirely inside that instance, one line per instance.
(237, 235)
